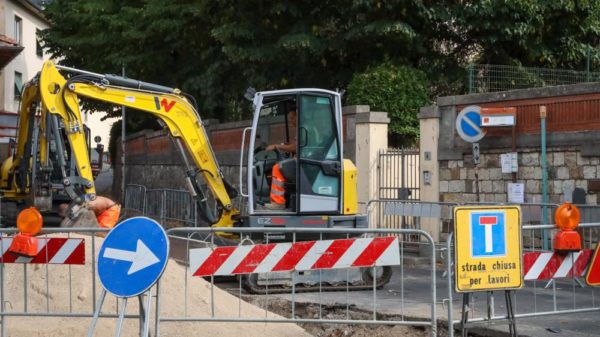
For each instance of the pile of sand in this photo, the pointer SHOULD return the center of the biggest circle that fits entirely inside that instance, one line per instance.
(60, 288)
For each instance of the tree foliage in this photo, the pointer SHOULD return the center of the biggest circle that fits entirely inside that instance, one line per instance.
(214, 50)
(398, 90)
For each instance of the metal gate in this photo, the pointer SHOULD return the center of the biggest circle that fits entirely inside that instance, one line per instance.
(398, 180)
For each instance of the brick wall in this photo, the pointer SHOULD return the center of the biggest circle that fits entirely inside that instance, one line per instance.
(152, 159)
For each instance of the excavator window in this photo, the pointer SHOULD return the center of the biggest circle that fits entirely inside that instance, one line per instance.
(274, 127)
(313, 179)
(318, 154)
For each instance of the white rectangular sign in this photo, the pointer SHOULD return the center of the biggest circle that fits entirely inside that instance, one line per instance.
(516, 192)
(509, 162)
(498, 120)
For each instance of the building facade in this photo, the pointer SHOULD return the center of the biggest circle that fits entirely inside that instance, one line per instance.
(21, 57)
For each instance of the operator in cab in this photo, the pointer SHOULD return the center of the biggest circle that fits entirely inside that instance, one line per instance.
(284, 170)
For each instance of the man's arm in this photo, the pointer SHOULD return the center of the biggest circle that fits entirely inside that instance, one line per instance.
(291, 147)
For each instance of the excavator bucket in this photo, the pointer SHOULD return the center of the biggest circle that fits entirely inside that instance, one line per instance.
(77, 215)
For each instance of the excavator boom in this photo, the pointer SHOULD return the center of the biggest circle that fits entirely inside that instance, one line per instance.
(61, 96)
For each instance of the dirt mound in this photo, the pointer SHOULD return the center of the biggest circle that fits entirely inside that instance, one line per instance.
(56, 288)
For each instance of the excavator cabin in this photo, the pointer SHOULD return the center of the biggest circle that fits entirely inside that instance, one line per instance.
(320, 186)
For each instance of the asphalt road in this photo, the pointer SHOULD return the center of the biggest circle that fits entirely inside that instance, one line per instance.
(409, 294)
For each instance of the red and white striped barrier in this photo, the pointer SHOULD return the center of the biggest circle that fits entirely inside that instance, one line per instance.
(299, 256)
(50, 250)
(550, 265)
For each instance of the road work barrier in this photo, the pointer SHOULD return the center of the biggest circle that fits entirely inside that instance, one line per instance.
(32, 288)
(59, 282)
(553, 284)
(314, 261)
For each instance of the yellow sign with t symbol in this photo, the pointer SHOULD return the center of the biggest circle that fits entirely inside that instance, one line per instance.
(487, 248)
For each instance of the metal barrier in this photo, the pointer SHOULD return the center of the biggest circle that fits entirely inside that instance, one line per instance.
(410, 301)
(135, 199)
(170, 207)
(546, 296)
(537, 297)
(26, 291)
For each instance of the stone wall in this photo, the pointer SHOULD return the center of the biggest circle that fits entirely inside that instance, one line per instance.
(567, 170)
(572, 127)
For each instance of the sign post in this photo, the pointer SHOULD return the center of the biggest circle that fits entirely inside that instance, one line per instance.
(488, 254)
(131, 259)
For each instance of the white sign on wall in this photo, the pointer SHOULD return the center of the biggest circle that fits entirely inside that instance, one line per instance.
(509, 162)
(516, 192)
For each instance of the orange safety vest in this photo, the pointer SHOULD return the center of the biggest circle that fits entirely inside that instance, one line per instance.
(277, 186)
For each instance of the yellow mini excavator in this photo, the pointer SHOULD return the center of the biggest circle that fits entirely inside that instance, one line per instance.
(319, 192)
(43, 171)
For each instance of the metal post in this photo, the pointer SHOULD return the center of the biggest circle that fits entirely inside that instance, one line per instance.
(587, 65)
(157, 318)
(142, 314)
(97, 313)
(450, 290)
(123, 148)
(470, 78)
(121, 317)
(490, 305)
(544, 176)
(466, 307)
(2, 305)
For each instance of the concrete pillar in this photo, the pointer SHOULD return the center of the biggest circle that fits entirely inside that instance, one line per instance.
(371, 137)
(429, 127)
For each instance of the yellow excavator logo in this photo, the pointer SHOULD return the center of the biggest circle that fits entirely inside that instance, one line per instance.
(164, 103)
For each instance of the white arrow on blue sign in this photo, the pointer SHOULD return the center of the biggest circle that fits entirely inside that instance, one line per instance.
(133, 257)
(468, 124)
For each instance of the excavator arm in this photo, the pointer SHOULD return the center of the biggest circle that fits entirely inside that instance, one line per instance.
(61, 96)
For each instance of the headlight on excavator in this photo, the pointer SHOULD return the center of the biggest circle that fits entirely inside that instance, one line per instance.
(29, 223)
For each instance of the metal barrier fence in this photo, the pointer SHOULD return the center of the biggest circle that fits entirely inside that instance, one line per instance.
(548, 297)
(537, 297)
(409, 302)
(439, 215)
(169, 207)
(135, 199)
(71, 291)
(52, 290)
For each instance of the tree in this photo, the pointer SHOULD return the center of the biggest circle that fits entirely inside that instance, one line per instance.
(214, 50)
(523, 32)
(398, 90)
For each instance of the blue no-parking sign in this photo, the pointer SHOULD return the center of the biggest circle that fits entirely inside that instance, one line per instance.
(133, 257)
(468, 124)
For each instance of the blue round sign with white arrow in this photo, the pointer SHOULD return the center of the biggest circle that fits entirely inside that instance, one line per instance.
(468, 124)
(133, 256)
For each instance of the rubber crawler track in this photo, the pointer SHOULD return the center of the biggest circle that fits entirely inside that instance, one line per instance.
(249, 284)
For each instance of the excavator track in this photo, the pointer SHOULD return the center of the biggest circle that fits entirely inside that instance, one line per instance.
(250, 284)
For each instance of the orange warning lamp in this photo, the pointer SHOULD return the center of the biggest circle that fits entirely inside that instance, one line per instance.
(567, 218)
(29, 223)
